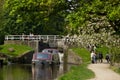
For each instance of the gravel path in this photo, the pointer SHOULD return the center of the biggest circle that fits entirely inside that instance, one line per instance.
(102, 72)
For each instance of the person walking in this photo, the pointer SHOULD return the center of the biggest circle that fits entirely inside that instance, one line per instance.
(93, 57)
(100, 57)
(107, 57)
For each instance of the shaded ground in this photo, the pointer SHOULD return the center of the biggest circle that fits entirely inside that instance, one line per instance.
(102, 72)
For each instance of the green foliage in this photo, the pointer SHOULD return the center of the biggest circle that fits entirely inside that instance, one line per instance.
(103, 49)
(85, 54)
(17, 49)
(88, 10)
(116, 69)
(1, 15)
(36, 16)
(115, 52)
(59, 17)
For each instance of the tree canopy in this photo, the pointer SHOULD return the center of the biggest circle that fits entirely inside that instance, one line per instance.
(91, 12)
(60, 17)
(36, 16)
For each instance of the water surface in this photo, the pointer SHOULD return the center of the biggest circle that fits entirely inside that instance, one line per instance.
(30, 72)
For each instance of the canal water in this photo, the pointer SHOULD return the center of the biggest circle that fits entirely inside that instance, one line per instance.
(32, 72)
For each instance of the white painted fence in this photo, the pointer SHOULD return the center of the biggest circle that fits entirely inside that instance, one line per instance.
(33, 37)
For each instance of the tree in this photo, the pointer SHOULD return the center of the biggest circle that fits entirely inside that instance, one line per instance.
(1, 22)
(1, 13)
(88, 16)
(113, 15)
(36, 16)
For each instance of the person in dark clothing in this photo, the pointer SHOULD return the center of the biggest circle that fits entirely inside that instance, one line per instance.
(100, 57)
(107, 57)
(95, 58)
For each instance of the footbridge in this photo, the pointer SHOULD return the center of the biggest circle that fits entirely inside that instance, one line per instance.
(34, 37)
(36, 41)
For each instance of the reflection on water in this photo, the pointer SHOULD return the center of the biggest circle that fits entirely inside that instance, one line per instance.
(15, 72)
(31, 72)
(46, 72)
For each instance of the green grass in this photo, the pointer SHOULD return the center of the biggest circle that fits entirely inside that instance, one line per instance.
(80, 72)
(116, 69)
(85, 54)
(17, 49)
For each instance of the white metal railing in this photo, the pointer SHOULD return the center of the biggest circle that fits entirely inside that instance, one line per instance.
(33, 37)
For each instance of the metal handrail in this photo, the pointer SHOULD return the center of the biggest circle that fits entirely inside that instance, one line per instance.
(33, 37)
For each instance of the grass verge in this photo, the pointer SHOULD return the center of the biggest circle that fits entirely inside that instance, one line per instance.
(14, 50)
(116, 69)
(80, 72)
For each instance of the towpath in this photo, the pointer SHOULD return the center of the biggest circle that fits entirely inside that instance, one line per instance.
(103, 72)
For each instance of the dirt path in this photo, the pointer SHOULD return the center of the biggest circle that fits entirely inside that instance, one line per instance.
(102, 72)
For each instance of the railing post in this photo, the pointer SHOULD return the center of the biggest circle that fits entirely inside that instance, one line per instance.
(12, 37)
(23, 37)
(47, 38)
(6, 37)
(37, 48)
(54, 40)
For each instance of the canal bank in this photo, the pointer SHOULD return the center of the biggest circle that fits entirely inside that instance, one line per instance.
(12, 53)
(79, 72)
(3, 59)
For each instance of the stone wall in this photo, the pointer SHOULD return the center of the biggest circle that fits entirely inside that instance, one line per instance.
(73, 58)
(26, 58)
(19, 42)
